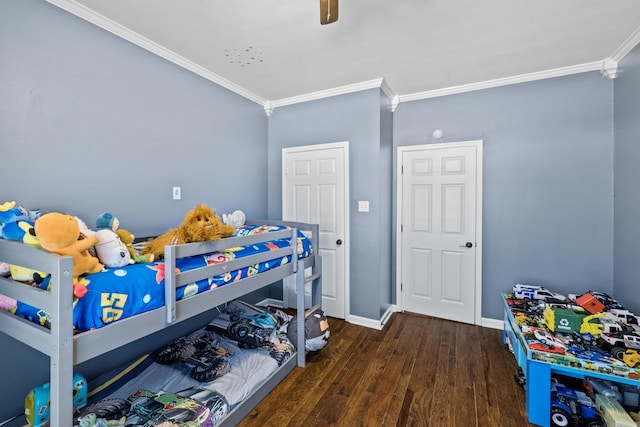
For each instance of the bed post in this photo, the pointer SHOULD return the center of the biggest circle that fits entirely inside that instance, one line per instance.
(170, 282)
(61, 366)
(299, 275)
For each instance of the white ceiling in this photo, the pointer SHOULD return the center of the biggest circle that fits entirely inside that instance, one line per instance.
(276, 51)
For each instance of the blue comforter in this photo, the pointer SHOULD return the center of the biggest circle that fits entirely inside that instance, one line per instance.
(118, 293)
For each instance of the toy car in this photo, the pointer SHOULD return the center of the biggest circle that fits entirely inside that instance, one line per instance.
(536, 292)
(547, 338)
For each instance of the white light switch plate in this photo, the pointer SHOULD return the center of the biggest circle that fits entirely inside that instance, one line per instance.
(363, 206)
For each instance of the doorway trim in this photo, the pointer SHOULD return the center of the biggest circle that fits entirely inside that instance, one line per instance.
(344, 145)
(478, 144)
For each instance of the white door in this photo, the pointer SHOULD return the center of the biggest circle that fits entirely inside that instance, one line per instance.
(440, 192)
(315, 190)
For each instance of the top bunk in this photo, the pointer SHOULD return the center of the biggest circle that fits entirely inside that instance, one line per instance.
(191, 279)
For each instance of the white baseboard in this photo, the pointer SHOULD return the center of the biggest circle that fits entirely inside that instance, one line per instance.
(492, 323)
(379, 324)
(372, 323)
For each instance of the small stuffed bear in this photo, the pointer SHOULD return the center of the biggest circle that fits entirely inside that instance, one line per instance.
(127, 238)
(59, 233)
(200, 224)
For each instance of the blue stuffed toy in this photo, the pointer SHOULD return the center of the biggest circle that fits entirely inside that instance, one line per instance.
(108, 221)
(11, 215)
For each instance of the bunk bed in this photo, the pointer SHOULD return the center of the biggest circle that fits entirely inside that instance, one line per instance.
(66, 349)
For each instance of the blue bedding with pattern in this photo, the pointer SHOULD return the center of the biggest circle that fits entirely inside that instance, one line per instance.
(118, 293)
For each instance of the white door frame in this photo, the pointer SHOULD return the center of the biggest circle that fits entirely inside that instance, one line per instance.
(347, 212)
(478, 285)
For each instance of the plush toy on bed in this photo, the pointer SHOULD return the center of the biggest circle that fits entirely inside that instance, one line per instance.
(59, 233)
(11, 215)
(110, 222)
(24, 274)
(200, 224)
(111, 250)
(127, 238)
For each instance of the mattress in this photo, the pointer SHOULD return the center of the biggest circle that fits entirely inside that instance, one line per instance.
(118, 293)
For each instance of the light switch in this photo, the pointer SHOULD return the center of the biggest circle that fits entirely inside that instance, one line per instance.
(363, 206)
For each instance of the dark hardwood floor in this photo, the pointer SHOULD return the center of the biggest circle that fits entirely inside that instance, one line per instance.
(417, 371)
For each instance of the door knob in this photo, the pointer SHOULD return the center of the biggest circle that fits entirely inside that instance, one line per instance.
(339, 242)
(466, 245)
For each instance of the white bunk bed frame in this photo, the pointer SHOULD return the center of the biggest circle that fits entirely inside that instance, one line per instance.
(66, 350)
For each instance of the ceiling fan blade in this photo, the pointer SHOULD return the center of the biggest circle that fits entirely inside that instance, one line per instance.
(328, 11)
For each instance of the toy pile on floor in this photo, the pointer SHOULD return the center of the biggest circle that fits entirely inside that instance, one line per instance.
(591, 331)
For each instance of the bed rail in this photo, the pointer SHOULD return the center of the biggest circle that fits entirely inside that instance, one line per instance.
(56, 342)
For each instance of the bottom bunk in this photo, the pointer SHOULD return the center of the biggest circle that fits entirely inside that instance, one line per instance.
(210, 377)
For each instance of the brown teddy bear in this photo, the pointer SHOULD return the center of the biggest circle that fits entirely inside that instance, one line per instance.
(59, 233)
(200, 224)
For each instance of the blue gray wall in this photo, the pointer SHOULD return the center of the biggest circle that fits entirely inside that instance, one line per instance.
(356, 118)
(92, 123)
(627, 180)
(387, 243)
(548, 178)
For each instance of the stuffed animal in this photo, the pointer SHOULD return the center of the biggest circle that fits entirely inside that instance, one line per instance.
(59, 233)
(127, 238)
(8, 304)
(235, 219)
(24, 274)
(108, 221)
(10, 215)
(200, 224)
(5, 269)
(111, 251)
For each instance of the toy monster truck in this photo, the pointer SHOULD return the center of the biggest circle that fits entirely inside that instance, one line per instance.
(200, 349)
(618, 342)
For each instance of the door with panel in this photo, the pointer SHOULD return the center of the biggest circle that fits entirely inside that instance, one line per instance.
(315, 190)
(439, 204)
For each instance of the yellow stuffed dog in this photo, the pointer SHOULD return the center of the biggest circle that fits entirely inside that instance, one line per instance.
(200, 224)
(59, 233)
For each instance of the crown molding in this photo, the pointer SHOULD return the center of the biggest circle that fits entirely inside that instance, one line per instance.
(523, 78)
(341, 90)
(609, 68)
(119, 30)
(381, 83)
(626, 47)
(393, 97)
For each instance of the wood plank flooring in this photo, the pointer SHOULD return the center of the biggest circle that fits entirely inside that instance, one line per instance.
(417, 371)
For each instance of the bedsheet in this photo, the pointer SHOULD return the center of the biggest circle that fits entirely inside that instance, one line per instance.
(118, 293)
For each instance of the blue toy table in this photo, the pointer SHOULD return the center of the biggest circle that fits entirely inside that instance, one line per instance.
(538, 366)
